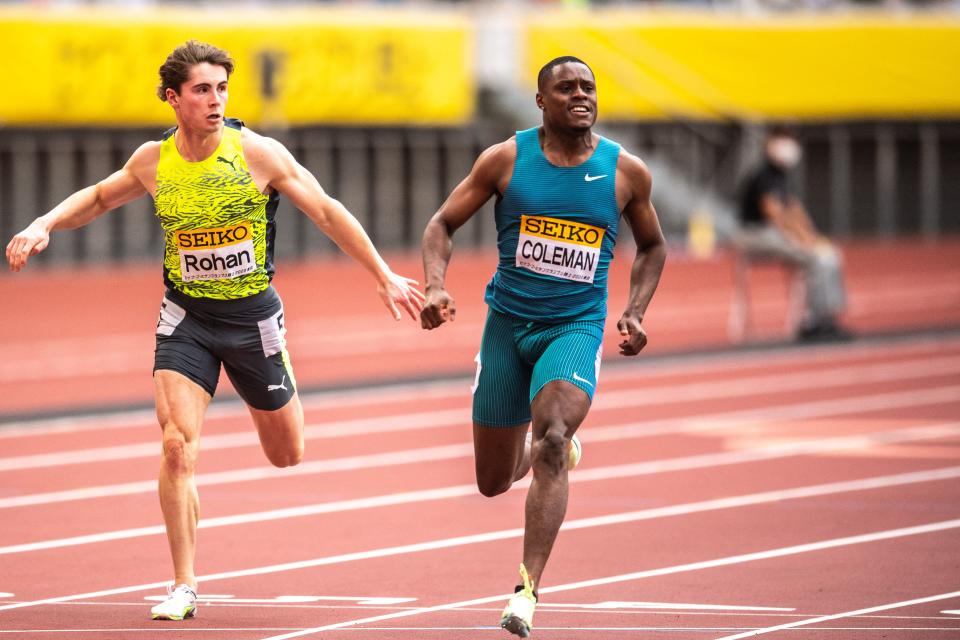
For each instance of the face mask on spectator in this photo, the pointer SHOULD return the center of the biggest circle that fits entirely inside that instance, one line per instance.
(785, 152)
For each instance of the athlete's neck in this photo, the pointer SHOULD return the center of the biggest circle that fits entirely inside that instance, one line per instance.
(196, 146)
(567, 148)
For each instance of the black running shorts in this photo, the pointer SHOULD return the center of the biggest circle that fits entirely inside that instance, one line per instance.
(196, 335)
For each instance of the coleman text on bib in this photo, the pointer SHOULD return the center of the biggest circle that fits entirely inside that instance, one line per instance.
(207, 254)
(559, 248)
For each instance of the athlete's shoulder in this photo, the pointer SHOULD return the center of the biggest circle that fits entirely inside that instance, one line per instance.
(634, 181)
(251, 139)
(497, 160)
(502, 152)
(633, 169)
(263, 151)
(146, 157)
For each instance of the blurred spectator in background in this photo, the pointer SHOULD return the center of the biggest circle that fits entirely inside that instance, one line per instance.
(775, 226)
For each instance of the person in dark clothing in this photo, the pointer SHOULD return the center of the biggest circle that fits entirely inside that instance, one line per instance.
(775, 225)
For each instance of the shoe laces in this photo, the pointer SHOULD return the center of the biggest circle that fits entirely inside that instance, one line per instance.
(527, 586)
(173, 588)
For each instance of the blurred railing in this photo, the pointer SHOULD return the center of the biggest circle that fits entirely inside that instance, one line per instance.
(865, 178)
(391, 180)
(877, 179)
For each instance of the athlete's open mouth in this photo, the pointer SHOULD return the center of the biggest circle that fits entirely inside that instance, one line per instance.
(580, 109)
(214, 116)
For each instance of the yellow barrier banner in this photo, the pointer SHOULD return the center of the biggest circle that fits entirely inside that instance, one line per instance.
(714, 66)
(293, 66)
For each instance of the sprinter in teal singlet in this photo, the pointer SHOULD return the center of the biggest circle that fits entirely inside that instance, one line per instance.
(561, 190)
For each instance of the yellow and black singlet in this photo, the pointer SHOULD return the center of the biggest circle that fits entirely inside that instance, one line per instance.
(219, 228)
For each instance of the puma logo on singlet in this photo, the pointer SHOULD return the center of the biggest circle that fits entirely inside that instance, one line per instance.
(275, 387)
(229, 162)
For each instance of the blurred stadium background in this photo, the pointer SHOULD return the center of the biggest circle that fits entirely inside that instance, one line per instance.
(389, 103)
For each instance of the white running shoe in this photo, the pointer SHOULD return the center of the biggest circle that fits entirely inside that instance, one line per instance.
(574, 451)
(181, 603)
(517, 616)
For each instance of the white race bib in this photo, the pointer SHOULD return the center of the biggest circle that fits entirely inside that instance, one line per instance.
(559, 248)
(210, 254)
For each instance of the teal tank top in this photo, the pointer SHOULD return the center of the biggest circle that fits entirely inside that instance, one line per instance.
(556, 228)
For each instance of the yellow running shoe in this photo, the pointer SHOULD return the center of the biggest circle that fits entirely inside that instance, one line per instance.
(517, 617)
(574, 453)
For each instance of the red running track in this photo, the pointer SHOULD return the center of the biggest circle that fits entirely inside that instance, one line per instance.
(84, 338)
(814, 489)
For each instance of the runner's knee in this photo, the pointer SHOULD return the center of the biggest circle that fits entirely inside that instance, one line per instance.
(179, 456)
(495, 476)
(287, 457)
(550, 451)
(490, 485)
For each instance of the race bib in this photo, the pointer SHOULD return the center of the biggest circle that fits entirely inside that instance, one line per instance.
(559, 248)
(209, 254)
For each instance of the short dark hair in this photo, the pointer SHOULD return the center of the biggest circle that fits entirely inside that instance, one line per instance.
(781, 131)
(547, 69)
(176, 68)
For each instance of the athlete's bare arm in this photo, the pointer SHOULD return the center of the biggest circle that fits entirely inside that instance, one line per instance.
(274, 167)
(634, 185)
(490, 175)
(135, 179)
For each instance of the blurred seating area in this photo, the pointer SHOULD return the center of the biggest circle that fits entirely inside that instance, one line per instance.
(724, 5)
(389, 103)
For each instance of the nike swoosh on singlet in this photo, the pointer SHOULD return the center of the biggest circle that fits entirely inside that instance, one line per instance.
(579, 379)
(590, 178)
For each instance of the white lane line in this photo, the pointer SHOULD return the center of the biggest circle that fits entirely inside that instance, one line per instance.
(336, 429)
(316, 401)
(180, 629)
(505, 534)
(846, 614)
(685, 463)
(726, 362)
(766, 383)
(652, 573)
(475, 629)
(554, 608)
(348, 463)
(679, 606)
(652, 396)
(368, 601)
(690, 424)
(374, 630)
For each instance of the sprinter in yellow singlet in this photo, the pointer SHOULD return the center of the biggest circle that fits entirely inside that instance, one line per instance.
(216, 186)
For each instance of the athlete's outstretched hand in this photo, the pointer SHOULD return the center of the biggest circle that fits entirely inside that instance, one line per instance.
(437, 309)
(634, 337)
(398, 292)
(28, 242)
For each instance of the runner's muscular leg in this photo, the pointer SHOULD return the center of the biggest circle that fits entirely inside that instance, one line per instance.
(181, 404)
(501, 457)
(281, 432)
(558, 410)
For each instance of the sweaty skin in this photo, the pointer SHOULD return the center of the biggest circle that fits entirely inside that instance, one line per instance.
(181, 403)
(569, 103)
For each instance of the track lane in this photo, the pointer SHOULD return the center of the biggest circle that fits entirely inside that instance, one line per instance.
(662, 442)
(780, 524)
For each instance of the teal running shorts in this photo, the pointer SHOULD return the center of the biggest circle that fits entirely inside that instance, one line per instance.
(518, 357)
